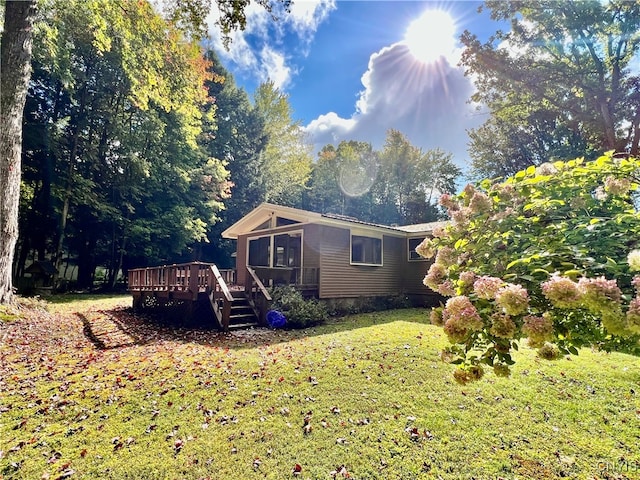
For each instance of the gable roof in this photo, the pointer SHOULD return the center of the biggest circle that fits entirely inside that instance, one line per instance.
(266, 211)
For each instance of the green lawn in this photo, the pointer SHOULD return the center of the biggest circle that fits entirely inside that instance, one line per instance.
(89, 391)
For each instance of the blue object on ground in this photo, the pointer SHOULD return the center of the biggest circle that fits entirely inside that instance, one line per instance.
(276, 319)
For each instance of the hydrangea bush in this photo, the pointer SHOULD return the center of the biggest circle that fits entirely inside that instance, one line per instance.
(550, 254)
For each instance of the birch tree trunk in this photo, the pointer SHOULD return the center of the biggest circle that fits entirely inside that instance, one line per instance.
(15, 71)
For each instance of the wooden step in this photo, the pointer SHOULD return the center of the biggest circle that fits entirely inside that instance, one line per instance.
(239, 326)
(240, 316)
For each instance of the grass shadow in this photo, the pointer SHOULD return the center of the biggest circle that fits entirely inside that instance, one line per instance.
(146, 329)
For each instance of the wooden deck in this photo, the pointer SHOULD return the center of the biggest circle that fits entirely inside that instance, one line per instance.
(201, 293)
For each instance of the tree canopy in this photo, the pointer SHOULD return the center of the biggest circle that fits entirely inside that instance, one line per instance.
(557, 83)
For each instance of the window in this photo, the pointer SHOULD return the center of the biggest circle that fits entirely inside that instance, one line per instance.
(263, 226)
(413, 244)
(282, 222)
(366, 250)
(259, 252)
(287, 251)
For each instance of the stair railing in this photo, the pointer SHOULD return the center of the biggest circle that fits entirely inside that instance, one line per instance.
(257, 294)
(220, 298)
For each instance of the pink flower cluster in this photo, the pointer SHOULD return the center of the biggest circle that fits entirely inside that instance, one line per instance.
(617, 186)
(562, 292)
(460, 318)
(446, 288)
(633, 315)
(448, 202)
(466, 280)
(480, 203)
(502, 326)
(598, 294)
(426, 249)
(538, 329)
(513, 299)
(460, 217)
(446, 256)
(435, 276)
(546, 169)
(486, 287)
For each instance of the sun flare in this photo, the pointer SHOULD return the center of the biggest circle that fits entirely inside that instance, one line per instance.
(431, 36)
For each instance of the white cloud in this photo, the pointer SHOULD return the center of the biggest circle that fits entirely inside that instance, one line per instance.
(259, 50)
(275, 68)
(426, 102)
(306, 16)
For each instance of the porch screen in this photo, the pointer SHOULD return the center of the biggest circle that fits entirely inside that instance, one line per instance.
(286, 250)
(366, 250)
(259, 252)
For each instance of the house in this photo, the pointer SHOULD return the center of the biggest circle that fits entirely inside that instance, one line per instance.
(331, 256)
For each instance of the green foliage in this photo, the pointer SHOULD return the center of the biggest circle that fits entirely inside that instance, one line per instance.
(544, 254)
(398, 184)
(114, 124)
(236, 137)
(350, 306)
(557, 83)
(409, 180)
(286, 158)
(300, 312)
(341, 180)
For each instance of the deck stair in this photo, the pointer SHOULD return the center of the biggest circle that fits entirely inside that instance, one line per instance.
(201, 286)
(243, 314)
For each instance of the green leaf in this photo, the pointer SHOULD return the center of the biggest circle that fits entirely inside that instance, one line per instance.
(514, 263)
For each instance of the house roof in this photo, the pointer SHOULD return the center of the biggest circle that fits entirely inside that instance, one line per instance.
(422, 227)
(266, 211)
(41, 267)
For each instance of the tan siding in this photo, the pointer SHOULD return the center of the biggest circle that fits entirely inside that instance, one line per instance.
(339, 279)
(311, 248)
(414, 274)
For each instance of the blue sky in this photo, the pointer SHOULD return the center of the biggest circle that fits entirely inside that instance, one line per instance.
(351, 71)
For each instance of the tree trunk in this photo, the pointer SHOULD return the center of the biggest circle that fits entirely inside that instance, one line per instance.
(635, 134)
(15, 71)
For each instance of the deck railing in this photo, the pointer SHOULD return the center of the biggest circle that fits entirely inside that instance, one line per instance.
(258, 294)
(181, 277)
(220, 297)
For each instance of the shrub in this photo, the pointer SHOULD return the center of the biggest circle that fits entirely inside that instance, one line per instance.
(549, 254)
(338, 307)
(299, 312)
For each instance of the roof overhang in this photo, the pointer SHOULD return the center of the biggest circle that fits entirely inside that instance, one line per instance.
(264, 212)
(267, 211)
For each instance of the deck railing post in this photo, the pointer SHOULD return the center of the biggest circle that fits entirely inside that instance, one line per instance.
(193, 280)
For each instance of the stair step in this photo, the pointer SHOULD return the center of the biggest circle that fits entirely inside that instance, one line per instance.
(238, 326)
(242, 316)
